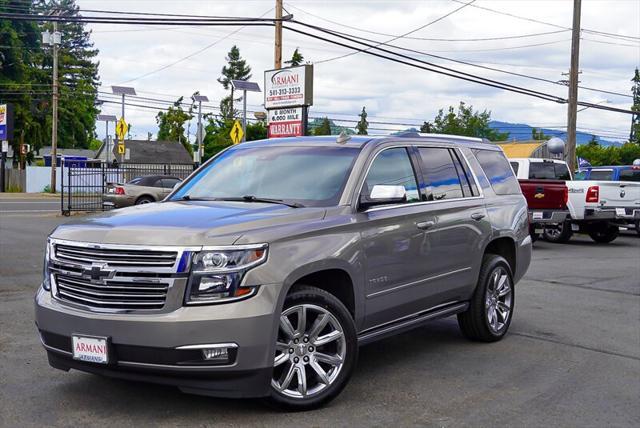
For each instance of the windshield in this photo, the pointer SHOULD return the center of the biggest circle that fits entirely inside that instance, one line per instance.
(311, 176)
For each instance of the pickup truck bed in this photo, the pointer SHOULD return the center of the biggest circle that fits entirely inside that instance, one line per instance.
(545, 194)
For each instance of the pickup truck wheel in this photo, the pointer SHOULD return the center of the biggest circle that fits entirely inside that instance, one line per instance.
(491, 307)
(316, 350)
(559, 234)
(604, 233)
(638, 227)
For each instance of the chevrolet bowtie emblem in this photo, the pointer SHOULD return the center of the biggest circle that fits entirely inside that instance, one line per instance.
(98, 272)
(539, 195)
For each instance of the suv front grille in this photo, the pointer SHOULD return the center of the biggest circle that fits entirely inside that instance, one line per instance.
(113, 277)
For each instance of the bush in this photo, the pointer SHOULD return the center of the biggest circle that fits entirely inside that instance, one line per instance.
(598, 155)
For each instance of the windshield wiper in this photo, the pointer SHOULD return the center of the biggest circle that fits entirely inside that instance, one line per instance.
(251, 198)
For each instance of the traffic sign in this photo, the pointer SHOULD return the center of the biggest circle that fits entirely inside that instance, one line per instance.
(121, 149)
(121, 129)
(236, 132)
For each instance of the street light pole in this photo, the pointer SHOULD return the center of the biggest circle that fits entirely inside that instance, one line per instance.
(55, 40)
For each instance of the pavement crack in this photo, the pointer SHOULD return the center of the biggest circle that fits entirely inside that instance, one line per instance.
(585, 287)
(575, 345)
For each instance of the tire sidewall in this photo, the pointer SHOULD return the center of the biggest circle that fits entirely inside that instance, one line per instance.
(492, 264)
(318, 297)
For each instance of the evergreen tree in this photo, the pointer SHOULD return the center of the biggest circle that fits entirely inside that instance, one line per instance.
(427, 127)
(539, 135)
(593, 141)
(236, 69)
(634, 136)
(324, 128)
(171, 124)
(363, 125)
(468, 123)
(296, 59)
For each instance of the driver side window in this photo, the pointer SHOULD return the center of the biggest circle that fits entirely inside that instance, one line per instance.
(393, 167)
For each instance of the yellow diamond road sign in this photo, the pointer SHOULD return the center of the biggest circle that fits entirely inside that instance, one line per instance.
(121, 149)
(236, 132)
(121, 129)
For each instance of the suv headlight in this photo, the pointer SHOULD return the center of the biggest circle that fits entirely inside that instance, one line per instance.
(216, 275)
(46, 276)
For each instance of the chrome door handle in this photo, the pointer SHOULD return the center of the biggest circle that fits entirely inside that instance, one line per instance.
(424, 225)
(477, 216)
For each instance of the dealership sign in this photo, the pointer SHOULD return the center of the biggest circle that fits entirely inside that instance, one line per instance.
(285, 122)
(6, 122)
(288, 87)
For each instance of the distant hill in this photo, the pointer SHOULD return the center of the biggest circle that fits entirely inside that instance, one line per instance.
(521, 131)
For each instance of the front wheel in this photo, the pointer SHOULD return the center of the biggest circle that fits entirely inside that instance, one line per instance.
(559, 234)
(491, 307)
(604, 233)
(316, 350)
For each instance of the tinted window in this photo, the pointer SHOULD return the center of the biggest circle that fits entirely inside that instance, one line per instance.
(440, 174)
(515, 166)
(548, 171)
(135, 180)
(498, 171)
(393, 167)
(601, 174)
(630, 175)
(169, 183)
(311, 176)
(468, 183)
(580, 175)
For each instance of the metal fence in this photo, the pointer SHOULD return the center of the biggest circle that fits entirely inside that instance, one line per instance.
(83, 185)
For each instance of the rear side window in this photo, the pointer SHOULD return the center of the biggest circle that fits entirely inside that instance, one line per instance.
(169, 183)
(498, 171)
(515, 166)
(393, 167)
(440, 174)
(630, 175)
(548, 171)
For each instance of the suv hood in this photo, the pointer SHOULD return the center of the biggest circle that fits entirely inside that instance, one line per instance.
(192, 223)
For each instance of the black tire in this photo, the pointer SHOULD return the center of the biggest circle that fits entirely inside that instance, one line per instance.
(475, 322)
(307, 295)
(144, 200)
(638, 227)
(561, 234)
(604, 233)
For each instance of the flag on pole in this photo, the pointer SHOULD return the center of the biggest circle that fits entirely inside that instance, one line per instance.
(583, 163)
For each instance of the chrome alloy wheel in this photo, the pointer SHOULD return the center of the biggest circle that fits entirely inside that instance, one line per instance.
(310, 356)
(498, 299)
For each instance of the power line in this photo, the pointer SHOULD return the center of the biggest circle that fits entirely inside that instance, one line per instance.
(405, 34)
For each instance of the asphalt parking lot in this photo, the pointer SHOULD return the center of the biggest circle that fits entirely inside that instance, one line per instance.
(572, 357)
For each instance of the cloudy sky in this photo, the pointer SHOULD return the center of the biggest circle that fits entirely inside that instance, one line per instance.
(150, 58)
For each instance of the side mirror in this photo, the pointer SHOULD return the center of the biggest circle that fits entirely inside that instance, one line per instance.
(382, 194)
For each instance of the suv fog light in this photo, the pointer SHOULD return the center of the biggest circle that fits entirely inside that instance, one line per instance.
(216, 354)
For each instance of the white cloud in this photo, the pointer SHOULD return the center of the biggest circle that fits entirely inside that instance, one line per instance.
(388, 90)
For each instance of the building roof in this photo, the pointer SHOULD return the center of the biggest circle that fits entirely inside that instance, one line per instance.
(522, 149)
(143, 151)
(86, 153)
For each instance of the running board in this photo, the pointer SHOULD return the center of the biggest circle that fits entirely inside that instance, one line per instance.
(406, 324)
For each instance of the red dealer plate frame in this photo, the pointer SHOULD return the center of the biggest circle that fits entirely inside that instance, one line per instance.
(92, 349)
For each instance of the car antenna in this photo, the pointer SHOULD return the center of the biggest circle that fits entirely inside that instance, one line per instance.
(343, 137)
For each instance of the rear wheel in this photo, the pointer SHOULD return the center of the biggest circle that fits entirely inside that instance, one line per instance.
(316, 350)
(144, 200)
(559, 234)
(603, 233)
(491, 307)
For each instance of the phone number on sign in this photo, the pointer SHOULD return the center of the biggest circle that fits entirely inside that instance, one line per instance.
(284, 91)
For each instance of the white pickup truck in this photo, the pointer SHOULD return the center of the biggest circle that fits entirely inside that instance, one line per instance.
(597, 208)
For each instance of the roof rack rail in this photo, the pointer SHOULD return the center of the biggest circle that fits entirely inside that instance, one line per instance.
(414, 134)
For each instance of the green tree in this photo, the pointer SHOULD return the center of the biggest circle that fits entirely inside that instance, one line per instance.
(539, 135)
(634, 136)
(218, 131)
(363, 125)
(466, 122)
(599, 155)
(427, 127)
(171, 124)
(296, 58)
(593, 141)
(236, 69)
(324, 128)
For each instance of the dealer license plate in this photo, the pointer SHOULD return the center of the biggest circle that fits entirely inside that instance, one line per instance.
(91, 349)
(537, 216)
(620, 211)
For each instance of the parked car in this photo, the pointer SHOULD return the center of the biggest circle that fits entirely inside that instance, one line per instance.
(597, 208)
(547, 198)
(610, 173)
(140, 190)
(262, 273)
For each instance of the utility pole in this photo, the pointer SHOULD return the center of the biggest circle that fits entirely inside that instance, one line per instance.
(200, 133)
(572, 108)
(277, 58)
(55, 41)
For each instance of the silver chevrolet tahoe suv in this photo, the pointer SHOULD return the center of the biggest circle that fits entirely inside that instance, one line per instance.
(262, 273)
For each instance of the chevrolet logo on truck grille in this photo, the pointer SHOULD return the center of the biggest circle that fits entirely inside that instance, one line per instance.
(539, 195)
(98, 272)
